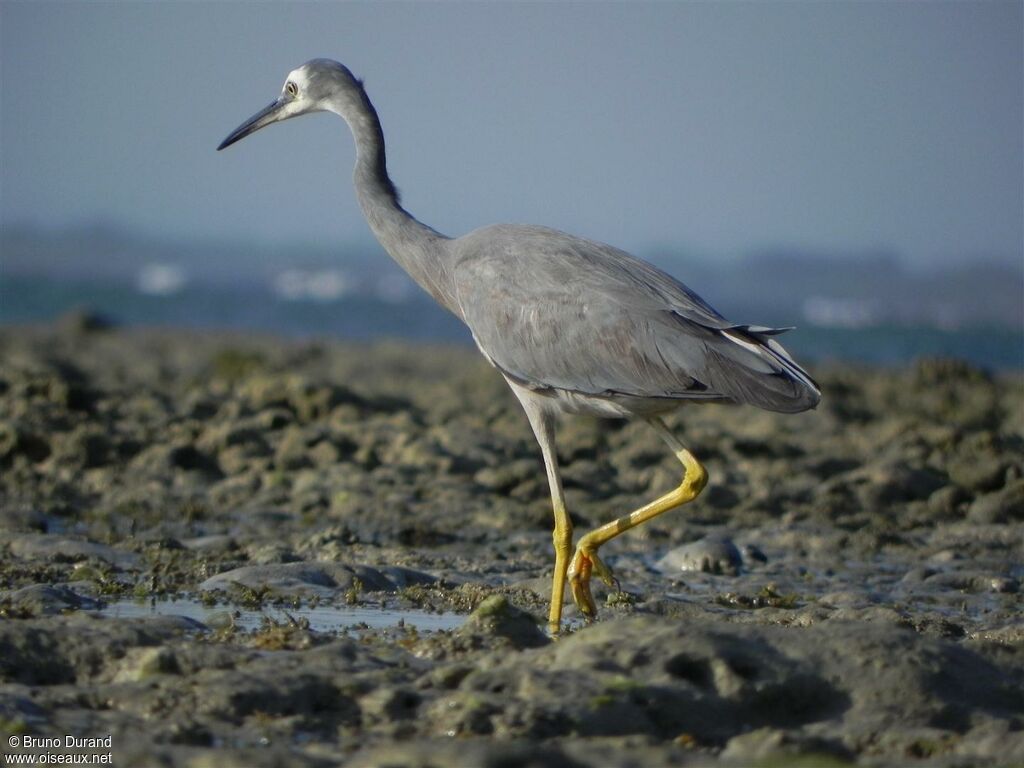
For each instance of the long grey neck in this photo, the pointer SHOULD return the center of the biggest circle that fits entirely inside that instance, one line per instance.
(419, 250)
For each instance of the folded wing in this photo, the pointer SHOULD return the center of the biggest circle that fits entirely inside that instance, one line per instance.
(557, 312)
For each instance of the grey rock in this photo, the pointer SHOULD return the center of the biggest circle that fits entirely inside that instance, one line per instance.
(21, 440)
(999, 507)
(179, 456)
(211, 543)
(77, 648)
(326, 579)
(508, 475)
(146, 663)
(712, 554)
(23, 519)
(470, 754)
(971, 581)
(496, 617)
(983, 473)
(715, 680)
(292, 451)
(18, 710)
(390, 704)
(896, 482)
(46, 600)
(83, 448)
(66, 549)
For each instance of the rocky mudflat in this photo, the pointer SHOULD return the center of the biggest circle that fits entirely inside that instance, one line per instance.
(847, 590)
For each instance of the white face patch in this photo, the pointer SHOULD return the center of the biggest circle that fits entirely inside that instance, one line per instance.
(297, 76)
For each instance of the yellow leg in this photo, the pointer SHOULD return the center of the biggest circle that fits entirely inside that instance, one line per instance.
(586, 562)
(563, 547)
(543, 426)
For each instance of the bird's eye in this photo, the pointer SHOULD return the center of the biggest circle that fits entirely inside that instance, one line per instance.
(292, 89)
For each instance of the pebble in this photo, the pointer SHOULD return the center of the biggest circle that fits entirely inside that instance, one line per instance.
(712, 554)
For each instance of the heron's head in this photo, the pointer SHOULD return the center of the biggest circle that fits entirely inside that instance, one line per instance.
(316, 86)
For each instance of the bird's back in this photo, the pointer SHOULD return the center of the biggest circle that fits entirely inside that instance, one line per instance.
(557, 312)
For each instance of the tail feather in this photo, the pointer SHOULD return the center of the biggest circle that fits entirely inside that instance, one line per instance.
(791, 389)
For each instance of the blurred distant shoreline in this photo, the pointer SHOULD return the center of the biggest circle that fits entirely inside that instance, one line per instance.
(863, 307)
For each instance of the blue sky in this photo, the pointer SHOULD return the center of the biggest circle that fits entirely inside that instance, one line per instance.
(712, 129)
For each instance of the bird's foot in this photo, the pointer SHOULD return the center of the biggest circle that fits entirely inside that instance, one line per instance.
(586, 563)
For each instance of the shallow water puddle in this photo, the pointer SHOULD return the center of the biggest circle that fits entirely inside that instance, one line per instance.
(321, 618)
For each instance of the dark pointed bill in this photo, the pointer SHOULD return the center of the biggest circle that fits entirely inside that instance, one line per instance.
(269, 114)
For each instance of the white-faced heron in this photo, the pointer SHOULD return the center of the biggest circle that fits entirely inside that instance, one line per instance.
(574, 326)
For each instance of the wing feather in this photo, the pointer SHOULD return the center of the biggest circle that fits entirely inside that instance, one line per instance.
(557, 312)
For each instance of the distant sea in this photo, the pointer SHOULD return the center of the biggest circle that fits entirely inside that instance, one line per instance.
(30, 300)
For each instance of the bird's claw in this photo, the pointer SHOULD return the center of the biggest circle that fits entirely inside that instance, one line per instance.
(603, 572)
(584, 565)
(579, 583)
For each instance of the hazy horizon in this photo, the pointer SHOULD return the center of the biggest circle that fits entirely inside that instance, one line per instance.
(370, 250)
(708, 131)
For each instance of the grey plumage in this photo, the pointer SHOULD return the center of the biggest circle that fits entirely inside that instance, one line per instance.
(575, 326)
(556, 312)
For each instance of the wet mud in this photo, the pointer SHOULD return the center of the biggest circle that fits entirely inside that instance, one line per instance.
(236, 550)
